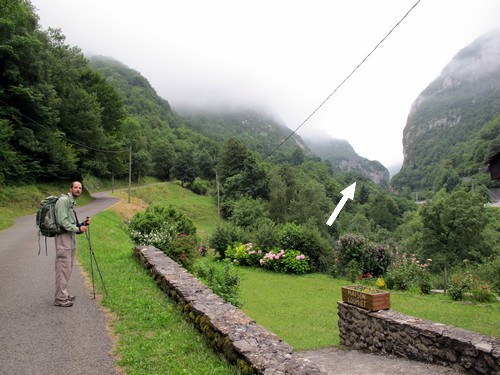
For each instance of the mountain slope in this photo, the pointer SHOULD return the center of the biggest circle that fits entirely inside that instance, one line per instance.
(344, 159)
(450, 131)
(260, 132)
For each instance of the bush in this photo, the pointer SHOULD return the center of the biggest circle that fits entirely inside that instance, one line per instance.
(222, 278)
(198, 186)
(265, 234)
(286, 261)
(223, 237)
(305, 239)
(490, 271)
(244, 254)
(155, 217)
(406, 272)
(370, 257)
(168, 230)
(247, 212)
(185, 250)
(467, 283)
(291, 261)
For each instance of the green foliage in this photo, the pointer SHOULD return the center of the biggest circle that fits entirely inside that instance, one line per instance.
(222, 237)
(167, 229)
(244, 254)
(407, 271)
(275, 259)
(248, 213)
(285, 261)
(55, 107)
(465, 282)
(306, 239)
(490, 271)
(199, 186)
(222, 278)
(453, 230)
(356, 253)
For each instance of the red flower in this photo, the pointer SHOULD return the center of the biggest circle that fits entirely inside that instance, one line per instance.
(361, 278)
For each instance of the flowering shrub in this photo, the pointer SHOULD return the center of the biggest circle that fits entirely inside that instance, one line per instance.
(167, 229)
(160, 237)
(184, 250)
(277, 260)
(244, 254)
(355, 250)
(468, 283)
(286, 261)
(407, 271)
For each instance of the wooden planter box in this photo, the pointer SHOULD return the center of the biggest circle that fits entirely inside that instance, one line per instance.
(366, 298)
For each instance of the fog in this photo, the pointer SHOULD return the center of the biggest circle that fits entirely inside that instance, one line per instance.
(285, 57)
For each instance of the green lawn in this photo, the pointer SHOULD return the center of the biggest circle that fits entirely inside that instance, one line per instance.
(302, 310)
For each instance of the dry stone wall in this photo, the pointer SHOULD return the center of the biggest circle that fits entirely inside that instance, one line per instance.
(391, 332)
(243, 342)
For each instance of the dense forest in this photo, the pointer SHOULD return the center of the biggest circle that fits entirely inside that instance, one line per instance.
(63, 116)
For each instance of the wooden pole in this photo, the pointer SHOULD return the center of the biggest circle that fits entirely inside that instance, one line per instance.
(129, 171)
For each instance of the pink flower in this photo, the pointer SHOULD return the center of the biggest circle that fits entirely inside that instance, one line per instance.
(260, 251)
(298, 257)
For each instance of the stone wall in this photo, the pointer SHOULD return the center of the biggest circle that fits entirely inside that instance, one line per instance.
(244, 343)
(390, 332)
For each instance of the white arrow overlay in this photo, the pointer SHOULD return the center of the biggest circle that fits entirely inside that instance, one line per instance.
(347, 193)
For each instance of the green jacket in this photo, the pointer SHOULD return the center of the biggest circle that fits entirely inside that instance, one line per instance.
(65, 213)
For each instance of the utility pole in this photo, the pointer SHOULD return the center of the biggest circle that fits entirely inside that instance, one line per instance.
(218, 198)
(129, 171)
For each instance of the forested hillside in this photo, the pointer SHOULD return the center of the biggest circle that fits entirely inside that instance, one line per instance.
(454, 125)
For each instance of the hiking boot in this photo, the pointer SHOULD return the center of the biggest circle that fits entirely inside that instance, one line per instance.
(63, 303)
(71, 298)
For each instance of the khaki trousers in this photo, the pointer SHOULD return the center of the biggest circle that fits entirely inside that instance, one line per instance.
(65, 259)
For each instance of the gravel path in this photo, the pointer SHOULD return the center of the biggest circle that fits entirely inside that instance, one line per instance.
(354, 362)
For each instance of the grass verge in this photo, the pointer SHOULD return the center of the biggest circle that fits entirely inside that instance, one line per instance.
(153, 337)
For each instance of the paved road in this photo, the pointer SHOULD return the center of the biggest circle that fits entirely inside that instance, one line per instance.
(37, 337)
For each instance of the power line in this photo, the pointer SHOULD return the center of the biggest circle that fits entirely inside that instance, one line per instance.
(344, 81)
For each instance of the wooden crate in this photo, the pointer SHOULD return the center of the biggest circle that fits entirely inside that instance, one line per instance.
(373, 300)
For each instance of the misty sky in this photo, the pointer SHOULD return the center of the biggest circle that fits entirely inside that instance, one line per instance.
(284, 56)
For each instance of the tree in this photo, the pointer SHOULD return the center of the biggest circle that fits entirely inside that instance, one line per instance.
(233, 159)
(453, 229)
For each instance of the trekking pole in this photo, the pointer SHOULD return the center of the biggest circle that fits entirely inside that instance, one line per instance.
(93, 259)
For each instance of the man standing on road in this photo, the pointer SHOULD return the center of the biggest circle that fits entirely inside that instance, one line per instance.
(66, 243)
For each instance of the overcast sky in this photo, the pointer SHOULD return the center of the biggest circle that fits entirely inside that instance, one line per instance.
(286, 56)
